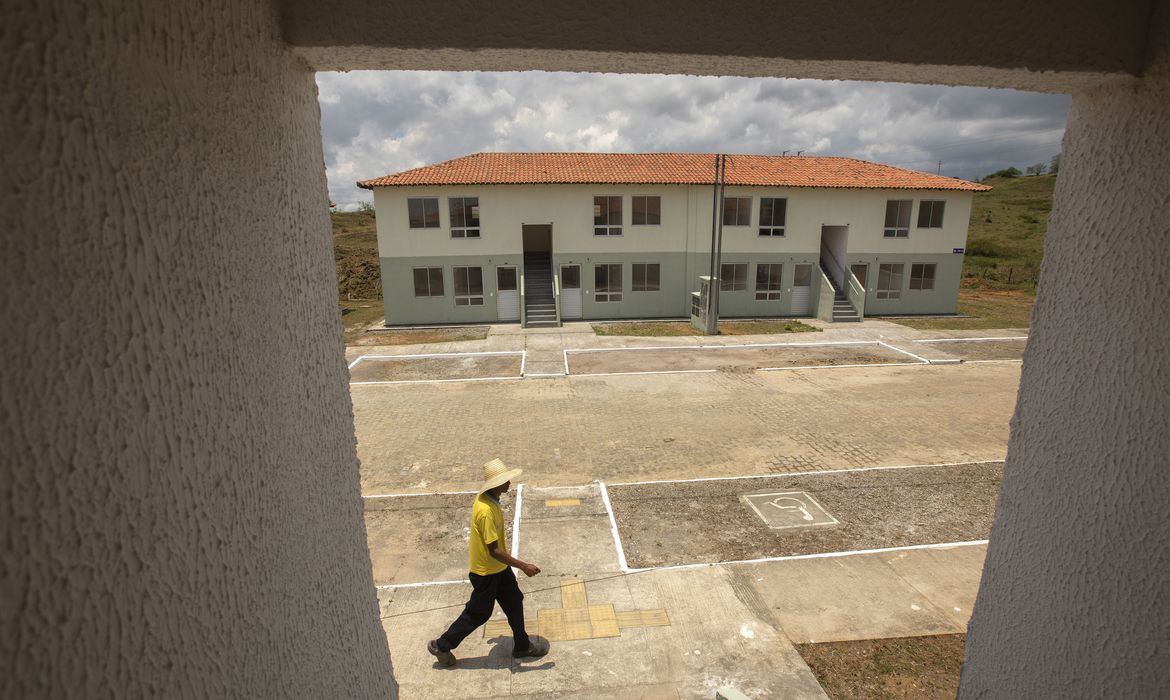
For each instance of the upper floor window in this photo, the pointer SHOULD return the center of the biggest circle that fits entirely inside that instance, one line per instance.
(930, 213)
(922, 276)
(423, 212)
(773, 211)
(468, 286)
(647, 211)
(607, 216)
(464, 217)
(428, 281)
(898, 218)
(646, 276)
(737, 211)
(732, 277)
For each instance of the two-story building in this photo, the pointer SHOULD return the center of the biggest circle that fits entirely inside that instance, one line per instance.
(544, 237)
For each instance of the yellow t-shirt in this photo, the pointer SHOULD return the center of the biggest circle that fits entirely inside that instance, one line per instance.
(487, 526)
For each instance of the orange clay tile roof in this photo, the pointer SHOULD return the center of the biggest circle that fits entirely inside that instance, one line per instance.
(667, 169)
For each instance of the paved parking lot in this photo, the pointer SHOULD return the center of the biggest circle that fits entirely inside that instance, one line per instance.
(567, 431)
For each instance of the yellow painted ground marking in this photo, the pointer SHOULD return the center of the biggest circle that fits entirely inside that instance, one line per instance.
(562, 502)
(577, 619)
(643, 618)
(573, 594)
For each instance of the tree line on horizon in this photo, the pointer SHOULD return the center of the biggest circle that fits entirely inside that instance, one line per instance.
(1052, 167)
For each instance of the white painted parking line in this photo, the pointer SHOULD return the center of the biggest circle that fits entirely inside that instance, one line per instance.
(413, 495)
(992, 362)
(820, 472)
(443, 355)
(961, 340)
(617, 538)
(905, 352)
(871, 364)
(439, 381)
(820, 555)
(726, 347)
(359, 359)
(516, 522)
(392, 586)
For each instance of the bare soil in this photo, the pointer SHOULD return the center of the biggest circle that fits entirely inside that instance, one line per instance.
(367, 338)
(708, 521)
(408, 368)
(730, 359)
(414, 539)
(905, 667)
(984, 349)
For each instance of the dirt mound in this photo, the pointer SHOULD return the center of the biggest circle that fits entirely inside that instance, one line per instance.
(359, 276)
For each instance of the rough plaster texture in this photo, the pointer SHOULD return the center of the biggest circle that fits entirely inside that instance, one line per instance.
(1074, 599)
(178, 482)
(1050, 45)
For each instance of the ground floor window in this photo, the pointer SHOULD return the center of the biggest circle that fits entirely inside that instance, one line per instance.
(768, 281)
(733, 277)
(468, 286)
(922, 276)
(607, 282)
(889, 281)
(646, 277)
(428, 281)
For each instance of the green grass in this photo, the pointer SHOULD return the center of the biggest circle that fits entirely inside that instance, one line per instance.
(679, 328)
(358, 315)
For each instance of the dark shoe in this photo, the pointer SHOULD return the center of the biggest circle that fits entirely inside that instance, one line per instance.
(445, 658)
(537, 647)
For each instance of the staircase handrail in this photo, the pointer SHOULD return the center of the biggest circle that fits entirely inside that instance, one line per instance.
(856, 294)
(825, 296)
(523, 320)
(839, 270)
(556, 280)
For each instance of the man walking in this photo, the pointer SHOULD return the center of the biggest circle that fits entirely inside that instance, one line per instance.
(491, 574)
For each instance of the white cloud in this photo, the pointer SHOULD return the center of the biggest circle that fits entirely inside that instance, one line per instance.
(376, 123)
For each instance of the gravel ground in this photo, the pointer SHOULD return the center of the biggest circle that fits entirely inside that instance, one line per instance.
(983, 349)
(422, 538)
(906, 667)
(730, 359)
(707, 521)
(424, 368)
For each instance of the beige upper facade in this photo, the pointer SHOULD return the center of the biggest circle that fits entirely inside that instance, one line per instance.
(685, 219)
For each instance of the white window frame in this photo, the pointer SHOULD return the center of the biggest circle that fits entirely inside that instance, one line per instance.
(469, 298)
(424, 200)
(736, 284)
(738, 211)
(921, 279)
(463, 231)
(931, 206)
(607, 296)
(772, 291)
(634, 209)
(897, 231)
(770, 229)
(890, 293)
(609, 228)
(430, 287)
(645, 282)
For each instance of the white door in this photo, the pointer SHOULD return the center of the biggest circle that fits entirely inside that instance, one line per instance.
(800, 286)
(507, 294)
(570, 291)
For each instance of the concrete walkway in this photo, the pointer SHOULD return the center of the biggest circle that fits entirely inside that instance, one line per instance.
(674, 632)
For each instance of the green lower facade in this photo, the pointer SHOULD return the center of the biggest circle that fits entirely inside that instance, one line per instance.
(678, 277)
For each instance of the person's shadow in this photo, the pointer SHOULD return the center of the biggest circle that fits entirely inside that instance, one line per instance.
(498, 657)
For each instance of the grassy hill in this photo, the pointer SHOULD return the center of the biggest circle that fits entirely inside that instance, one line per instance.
(355, 251)
(1006, 236)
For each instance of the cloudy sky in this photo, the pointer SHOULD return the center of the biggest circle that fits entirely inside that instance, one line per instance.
(377, 123)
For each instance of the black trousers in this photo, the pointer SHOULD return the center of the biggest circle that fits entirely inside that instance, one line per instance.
(485, 592)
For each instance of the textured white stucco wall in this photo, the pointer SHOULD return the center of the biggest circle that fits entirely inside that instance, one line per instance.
(1075, 597)
(178, 482)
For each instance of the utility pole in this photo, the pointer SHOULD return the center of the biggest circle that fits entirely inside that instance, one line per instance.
(939, 171)
(716, 244)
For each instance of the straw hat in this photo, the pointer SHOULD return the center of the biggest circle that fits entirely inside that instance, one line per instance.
(495, 473)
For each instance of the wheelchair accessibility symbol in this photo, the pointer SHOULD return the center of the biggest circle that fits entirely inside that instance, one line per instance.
(789, 509)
